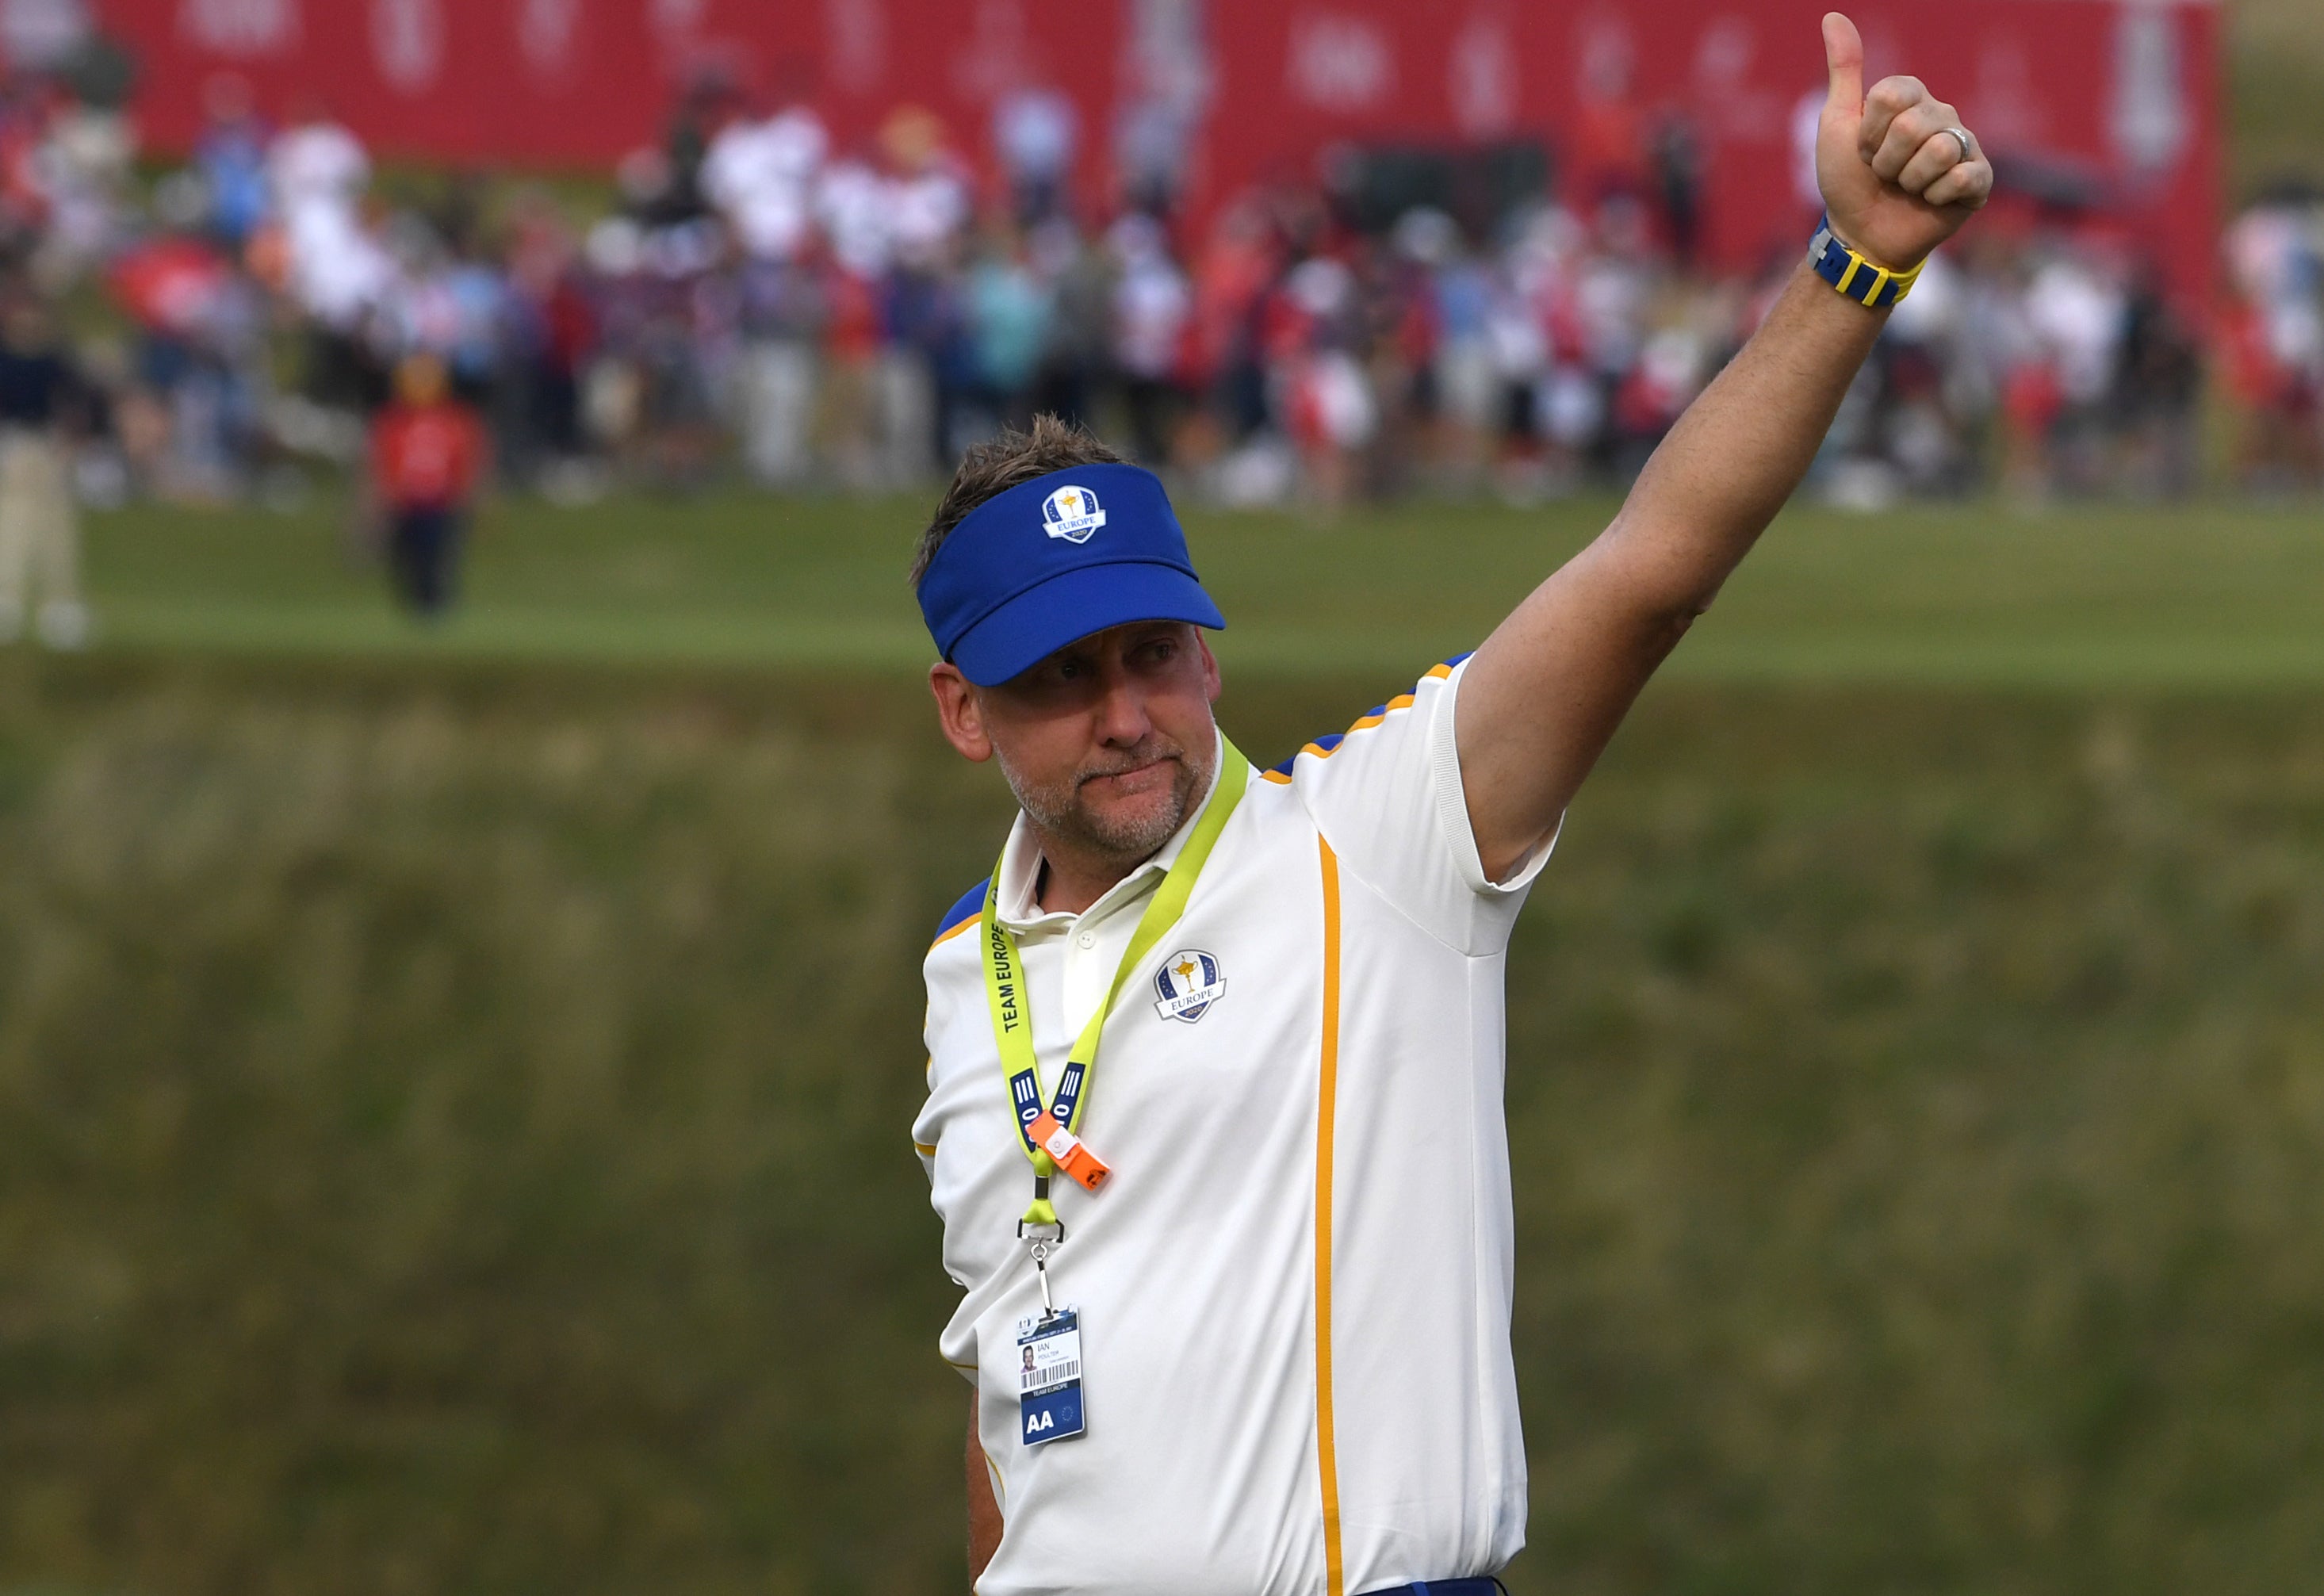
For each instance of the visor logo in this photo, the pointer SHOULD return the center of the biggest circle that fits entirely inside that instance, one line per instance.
(1072, 514)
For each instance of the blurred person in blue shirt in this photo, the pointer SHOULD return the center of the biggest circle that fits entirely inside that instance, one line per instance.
(1008, 309)
(1035, 130)
(231, 156)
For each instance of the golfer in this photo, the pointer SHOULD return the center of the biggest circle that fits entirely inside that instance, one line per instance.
(1214, 1115)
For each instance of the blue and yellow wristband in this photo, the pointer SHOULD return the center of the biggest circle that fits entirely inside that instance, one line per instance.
(1857, 277)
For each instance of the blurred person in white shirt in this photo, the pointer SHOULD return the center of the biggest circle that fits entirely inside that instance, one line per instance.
(1153, 306)
(927, 195)
(337, 272)
(2274, 335)
(2077, 310)
(763, 176)
(855, 224)
(1334, 412)
(315, 162)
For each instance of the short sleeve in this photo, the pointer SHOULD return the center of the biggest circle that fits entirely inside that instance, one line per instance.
(1387, 794)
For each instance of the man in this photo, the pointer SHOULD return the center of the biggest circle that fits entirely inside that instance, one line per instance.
(1215, 1057)
(427, 455)
(40, 529)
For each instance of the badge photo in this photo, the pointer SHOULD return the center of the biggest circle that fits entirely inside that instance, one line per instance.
(1188, 984)
(1072, 514)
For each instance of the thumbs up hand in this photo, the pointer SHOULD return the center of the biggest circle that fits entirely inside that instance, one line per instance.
(1898, 171)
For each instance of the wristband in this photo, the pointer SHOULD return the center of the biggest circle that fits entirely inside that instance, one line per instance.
(1857, 277)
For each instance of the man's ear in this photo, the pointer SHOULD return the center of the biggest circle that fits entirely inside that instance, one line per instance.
(959, 713)
(1212, 683)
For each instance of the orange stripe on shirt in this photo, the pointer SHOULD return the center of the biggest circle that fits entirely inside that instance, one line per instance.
(1327, 1093)
(1364, 723)
(947, 936)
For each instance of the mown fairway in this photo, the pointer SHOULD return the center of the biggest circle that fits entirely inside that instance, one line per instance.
(453, 1091)
(2088, 597)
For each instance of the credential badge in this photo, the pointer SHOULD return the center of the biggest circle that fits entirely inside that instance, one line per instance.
(1072, 514)
(1188, 984)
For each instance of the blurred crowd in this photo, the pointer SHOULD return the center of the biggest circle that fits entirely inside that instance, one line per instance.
(749, 297)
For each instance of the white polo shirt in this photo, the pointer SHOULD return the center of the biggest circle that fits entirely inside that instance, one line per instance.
(1295, 1290)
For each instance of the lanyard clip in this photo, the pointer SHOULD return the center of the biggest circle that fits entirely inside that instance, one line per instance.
(1041, 1239)
(1068, 1152)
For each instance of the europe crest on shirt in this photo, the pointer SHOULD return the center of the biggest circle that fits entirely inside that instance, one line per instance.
(1186, 984)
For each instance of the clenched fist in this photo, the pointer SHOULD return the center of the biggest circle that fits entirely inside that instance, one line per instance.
(1899, 173)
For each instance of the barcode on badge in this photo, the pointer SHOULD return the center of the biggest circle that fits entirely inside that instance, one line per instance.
(1033, 1382)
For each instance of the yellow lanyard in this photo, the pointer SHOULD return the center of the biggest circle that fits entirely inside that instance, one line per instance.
(1050, 1133)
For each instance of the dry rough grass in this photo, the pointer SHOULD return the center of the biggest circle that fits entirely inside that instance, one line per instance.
(1923, 1104)
(442, 1137)
(452, 1137)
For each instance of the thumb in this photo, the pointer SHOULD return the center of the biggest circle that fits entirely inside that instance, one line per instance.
(1843, 53)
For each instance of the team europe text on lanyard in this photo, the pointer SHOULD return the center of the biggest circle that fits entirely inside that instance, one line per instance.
(1050, 1377)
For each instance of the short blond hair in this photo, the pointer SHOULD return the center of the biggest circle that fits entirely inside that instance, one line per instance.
(993, 467)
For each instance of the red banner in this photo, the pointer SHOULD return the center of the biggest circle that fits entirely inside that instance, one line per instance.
(572, 83)
(2113, 107)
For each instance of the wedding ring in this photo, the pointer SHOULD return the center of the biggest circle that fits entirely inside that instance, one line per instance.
(1960, 137)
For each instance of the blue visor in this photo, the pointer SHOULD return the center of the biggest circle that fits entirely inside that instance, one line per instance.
(1053, 560)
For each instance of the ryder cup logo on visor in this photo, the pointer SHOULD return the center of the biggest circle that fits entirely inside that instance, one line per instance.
(1188, 984)
(1072, 514)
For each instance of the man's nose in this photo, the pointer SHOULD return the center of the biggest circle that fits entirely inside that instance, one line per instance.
(1121, 717)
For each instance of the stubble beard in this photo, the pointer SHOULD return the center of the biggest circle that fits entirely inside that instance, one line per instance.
(1062, 817)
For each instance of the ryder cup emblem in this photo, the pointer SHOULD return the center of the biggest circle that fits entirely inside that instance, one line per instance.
(1188, 984)
(1072, 514)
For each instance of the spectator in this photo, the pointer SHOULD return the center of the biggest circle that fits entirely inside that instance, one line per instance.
(1080, 279)
(1007, 310)
(40, 533)
(2076, 312)
(551, 329)
(2275, 346)
(761, 176)
(782, 311)
(336, 271)
(2156, 388)
(1464, 377)
(1034, 129)
(1153, 309)
(923, 376)
(1333, 411)
(231, 156)
(426, 458)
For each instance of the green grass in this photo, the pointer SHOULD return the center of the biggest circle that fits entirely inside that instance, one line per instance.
(2275, 71)
(454, 1090)
(2211, 595)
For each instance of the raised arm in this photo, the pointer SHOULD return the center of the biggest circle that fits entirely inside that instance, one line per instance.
(1547, 690)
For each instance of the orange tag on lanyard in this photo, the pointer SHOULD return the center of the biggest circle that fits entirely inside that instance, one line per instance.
(1068, 1152)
